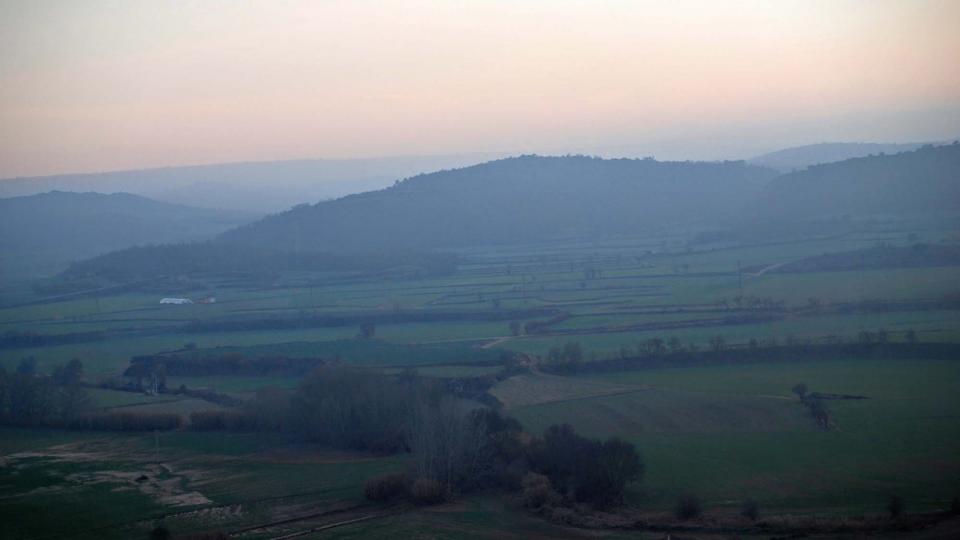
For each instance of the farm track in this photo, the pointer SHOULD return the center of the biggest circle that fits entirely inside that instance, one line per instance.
(642, 327)
(343, 516)
(153, 518)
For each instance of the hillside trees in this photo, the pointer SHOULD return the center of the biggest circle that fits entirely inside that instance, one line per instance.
(583, 469)
(30, 398)
(348, 409)
(463, 448)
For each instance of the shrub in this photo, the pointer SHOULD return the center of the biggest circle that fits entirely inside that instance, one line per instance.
(426, 491)
(563, 515)
(160, 532)
(128, 421)
(385, 487)
(536, 491)
(750, 509)
(211, 535)
(689, 507)
(593, 472)
(221, 420)
(895, 506)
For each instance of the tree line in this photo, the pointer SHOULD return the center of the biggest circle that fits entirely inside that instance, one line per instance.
(456, 445)
(29, 338)
(29, 398)
(658, 353)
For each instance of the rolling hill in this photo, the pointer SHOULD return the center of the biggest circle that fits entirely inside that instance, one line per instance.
(41, 234)
(801, 157)
(923, 181)
(269, 186)
(523, 199)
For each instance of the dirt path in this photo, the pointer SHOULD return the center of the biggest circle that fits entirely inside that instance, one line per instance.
(766, 269)
(325, 519)
(496, 341)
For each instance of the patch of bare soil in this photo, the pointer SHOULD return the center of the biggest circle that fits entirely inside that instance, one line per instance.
(302, 454)
(535, 389)
(163, 483)
(158, 482)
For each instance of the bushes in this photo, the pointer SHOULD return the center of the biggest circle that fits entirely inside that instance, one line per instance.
(427, 491)
(191, 363)
(750, 509)
(536, 491)
(214, 535)
(385, 487)
(221, 420)
(895, 506)
(688, 507)
(463, 447)
(590, 471)
(128, 421)
(347, 408)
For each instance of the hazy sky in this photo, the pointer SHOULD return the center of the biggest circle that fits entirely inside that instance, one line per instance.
(94, 85)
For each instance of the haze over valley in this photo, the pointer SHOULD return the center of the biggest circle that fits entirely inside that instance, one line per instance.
(478, 269)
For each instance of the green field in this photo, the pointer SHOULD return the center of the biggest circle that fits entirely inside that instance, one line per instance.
(84, 485)
(734, 432)
(724, 432)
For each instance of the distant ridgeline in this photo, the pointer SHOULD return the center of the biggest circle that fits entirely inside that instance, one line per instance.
(922, 181)
(534, 199)
(42, 234)
(515, 200)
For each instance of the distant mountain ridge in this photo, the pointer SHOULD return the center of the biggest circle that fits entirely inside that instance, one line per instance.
(801, 157)
(269, 186)
(532, 199)
(922, 181)
(40, 234)
(528, 198)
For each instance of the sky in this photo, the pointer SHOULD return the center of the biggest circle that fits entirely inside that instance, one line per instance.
(105, 85)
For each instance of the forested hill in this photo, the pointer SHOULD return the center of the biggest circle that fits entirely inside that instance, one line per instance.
(922, 181)
(41, 234)
(521, 199)
(801, 157)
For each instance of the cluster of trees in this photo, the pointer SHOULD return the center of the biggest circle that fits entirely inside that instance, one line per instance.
(657, 353)
(128, 421)
(564, 359)
(334, 405)
(31, 398)
(458, 451)
(584, 470)
(348, 408)
(456, 445)
(815, 404)
(29, 338)
(213, 363)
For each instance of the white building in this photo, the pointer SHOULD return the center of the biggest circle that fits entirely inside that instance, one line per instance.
(176, 301)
